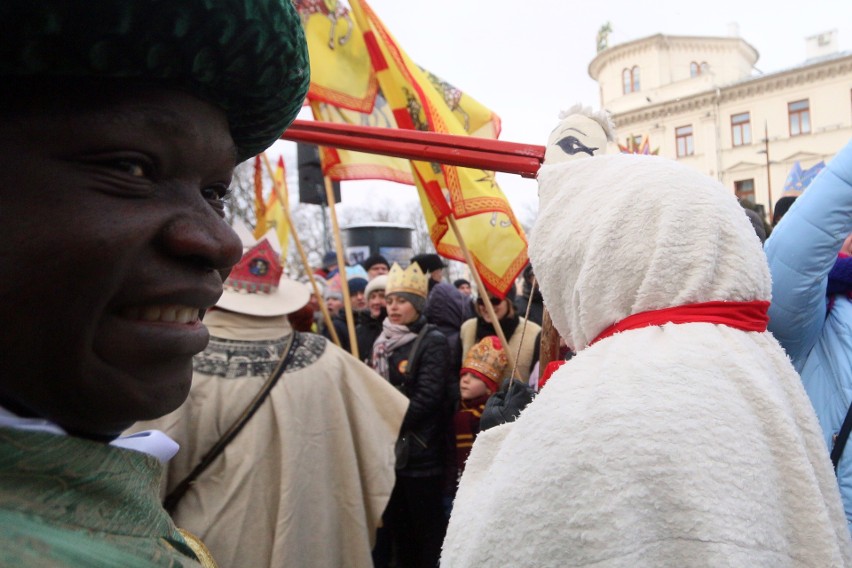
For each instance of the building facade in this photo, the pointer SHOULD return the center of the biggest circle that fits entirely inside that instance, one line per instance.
(701, 101)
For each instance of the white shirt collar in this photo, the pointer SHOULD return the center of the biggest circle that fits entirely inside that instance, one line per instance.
(151, 442)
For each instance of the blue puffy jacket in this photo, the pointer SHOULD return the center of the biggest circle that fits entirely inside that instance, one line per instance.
(801, 251)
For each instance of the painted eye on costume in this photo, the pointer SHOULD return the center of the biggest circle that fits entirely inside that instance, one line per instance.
(571, 145)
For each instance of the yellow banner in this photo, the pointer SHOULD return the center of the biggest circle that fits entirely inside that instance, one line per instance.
(274, 216)
(486, 221)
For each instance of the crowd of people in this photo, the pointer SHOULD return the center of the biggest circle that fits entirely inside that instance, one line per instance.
(169, 397)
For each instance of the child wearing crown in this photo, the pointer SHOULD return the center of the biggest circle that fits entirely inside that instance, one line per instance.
(479, 379)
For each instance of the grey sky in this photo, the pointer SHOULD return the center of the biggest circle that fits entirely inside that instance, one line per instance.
(528, 59)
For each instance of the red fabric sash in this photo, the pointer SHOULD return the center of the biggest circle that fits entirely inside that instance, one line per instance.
(747, 316)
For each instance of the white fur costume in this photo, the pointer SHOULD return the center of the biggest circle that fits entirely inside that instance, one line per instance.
(666, 446)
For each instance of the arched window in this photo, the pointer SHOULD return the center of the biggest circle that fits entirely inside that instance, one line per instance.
(696, 69)
(630, 80)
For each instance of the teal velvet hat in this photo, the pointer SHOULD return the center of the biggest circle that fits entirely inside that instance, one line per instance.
(246, 56)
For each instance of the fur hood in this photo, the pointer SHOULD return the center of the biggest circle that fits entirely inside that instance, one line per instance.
(662, 235)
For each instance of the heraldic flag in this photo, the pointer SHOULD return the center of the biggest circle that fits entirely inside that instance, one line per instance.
(272, 216)
(416, 99)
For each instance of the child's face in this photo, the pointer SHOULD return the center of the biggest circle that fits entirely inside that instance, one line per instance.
(472, 387)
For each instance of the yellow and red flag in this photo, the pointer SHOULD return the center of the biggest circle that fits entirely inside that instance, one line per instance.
(345, 90)
(274, 216)
(419, 100)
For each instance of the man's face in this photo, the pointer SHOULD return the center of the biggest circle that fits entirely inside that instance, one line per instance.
(437, 275)
(376, 302)
(465, 289)
(501, 308)
(376, 270)
(334, 305)
(112, 240)
(359, 301)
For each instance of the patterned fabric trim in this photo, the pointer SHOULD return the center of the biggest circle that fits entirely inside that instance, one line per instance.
(233, 359)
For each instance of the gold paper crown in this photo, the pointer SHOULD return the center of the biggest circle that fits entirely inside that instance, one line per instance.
(411, 280)
(487, 360)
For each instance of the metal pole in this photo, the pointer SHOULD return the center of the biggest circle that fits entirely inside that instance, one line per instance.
(768, 176)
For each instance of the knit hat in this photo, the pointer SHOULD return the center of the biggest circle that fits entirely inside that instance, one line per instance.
(247, 57)
(329, 260)
(357, 284)
(419, 302)
(781, 207)
(333, 288)
(377, 283)
(486, 360)
(460, 282)
(428, 262)
(373, 260)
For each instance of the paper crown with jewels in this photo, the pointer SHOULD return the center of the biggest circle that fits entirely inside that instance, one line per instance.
(486, 360)
(410, 280)
(256, 286)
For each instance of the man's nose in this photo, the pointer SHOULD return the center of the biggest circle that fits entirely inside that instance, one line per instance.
(205, 240)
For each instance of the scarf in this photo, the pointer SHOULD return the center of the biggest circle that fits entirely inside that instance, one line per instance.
(466, 422)
(747, 316)
(392, 337)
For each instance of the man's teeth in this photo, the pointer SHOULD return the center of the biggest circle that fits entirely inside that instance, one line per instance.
(166, 314)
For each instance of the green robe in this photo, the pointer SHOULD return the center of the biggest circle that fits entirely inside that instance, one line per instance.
(66, 501)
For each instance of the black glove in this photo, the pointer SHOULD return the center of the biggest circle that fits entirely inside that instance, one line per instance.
(506, 405)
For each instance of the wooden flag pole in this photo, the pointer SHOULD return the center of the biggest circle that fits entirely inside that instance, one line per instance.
(341, 267)
(483, 293)
(323, 308)
(549, 343)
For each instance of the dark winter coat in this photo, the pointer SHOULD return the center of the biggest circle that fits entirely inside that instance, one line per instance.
(445, 309)
(339, 322)
(536, 307)
(425, 420)
(366, 332)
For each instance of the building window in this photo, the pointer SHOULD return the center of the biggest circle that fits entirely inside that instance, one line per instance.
(630, 80)
(744, 189)
(696, 69)
(683, 137)
(741, 129)
(800, 117)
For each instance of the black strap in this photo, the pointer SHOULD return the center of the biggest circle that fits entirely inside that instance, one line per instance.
(841, 438)
(173, 498)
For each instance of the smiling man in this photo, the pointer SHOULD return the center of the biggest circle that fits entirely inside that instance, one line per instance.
(121, 122)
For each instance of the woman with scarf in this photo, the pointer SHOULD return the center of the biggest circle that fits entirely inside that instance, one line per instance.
(522, 336)
(414, 356)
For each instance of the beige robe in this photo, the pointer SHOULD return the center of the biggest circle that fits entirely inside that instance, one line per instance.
(305, 483)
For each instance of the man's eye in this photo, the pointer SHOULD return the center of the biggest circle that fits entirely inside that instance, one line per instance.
(219, 193)
(133, 168)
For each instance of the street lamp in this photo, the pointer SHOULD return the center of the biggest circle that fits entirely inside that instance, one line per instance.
(768, 177)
